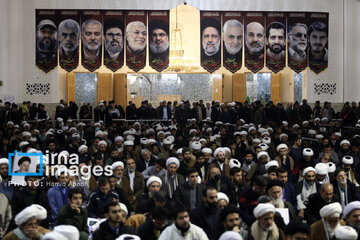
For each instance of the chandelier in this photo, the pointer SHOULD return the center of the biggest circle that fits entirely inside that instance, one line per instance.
(177, 60)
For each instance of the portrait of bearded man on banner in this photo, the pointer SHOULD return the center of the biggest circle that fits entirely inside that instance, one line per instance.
(233, 37)
(91, 40)
(254, 40)
(46, 40)
(318, 38)
(136, 38)
(275, 39)
(159, 40)
(69, 34)
(210, 38)
(297, 42)
(114, 39)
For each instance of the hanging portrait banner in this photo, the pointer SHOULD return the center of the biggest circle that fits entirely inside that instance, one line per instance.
(91, 39)
(159, 39)
(254, 40)
(297, 24)
(233, 32)
(210, 40)
(114, 39)
(136, 39)
(318, 41)
(46, 39)
(275, 35)
(69, 33)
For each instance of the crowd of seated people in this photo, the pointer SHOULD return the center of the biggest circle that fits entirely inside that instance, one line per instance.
(180, 171)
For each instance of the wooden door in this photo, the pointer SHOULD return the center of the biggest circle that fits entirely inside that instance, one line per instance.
(217, 88)
(120, 89)
(239, 87)
(275, 88)
(70, 87)
(105, 87)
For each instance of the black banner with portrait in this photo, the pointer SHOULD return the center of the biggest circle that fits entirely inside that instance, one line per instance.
(136, 34)
(318, 41)
(297, 25)
(233, 40)
(275, 35)
(68, 36)
(114, 39)
(254, 40)
(91, 39)
(46, 39)
(210, 40)
(158, 40)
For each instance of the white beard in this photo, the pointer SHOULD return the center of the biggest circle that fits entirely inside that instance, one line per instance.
(278, 202)
(330, 230)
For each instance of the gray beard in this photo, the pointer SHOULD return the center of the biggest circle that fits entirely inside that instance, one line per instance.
(159, 49)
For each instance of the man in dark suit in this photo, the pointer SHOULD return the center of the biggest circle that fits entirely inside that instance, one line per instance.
(288, 192)
(190, 193)
(145, 160)
(319, 200)
(235, 186)
(201, 166)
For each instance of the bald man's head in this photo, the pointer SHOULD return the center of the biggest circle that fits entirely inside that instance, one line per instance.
(327, 192)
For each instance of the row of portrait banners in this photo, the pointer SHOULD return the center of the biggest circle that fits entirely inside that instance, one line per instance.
(106, 35)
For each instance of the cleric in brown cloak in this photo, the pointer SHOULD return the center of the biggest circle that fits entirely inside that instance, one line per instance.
(114, 44)
(46, 45)
(210, 41)
(159, 42)
(254, 41)
(69, 34)
(318, 54)
(233, 37)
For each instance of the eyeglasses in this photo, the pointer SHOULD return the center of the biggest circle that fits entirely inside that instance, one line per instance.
(114, 35)
(299, 35)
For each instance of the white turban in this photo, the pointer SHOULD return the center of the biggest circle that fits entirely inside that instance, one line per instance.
(256, 140)
(322, 168)
(222, 196)
(263, 208)
(331, 210)
(206, 150)
(283, 135)
(33, 211)
(99, 132)
(331, 167)
(196, 145)
(346, 232)
(117, 164)
(264, 146)
(82, 147)
(312, 132)
(167, 141)
(308, 169)
(128, 237)
(344, 142)
(144, 141)
(118, 138)
(307, 152)
(4, 161)
(68, 231)
(280, 146)
(348, 160)
(54, 236)
(23, 143)
(263, 153)
(272, 163)
(102, 142)
(220, 149)
(172, 160)
(355, 205)
(234, 163)
(179, 151)
(123, 208)
(266, 140)
(230, 235)
(243, 133)
(26, 134)
(153, 179)
(128, 143)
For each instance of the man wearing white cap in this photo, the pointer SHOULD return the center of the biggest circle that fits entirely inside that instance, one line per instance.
(318, 200)
(283, 157)
(305, 188)
(351, 173)
(27, 222)
(172, 179)
(345, 233)
(325, 228)
(5, 187)
(220, 163)
(264, 227)
(322, 171)
(351, 214)
(344, 149)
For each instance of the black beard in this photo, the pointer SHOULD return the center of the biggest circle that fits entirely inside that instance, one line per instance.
(221, 160)
(183, 230)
